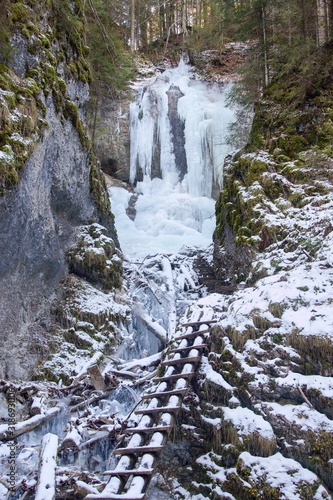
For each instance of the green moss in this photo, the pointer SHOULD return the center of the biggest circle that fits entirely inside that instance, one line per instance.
(22, 95)
(73, 337)
(95, 258)
(18, 13)
(98, 187)
(291, 144)
(71, 111)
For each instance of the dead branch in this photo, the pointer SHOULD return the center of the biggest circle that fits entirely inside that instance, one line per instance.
(88, 402)
(304, 397)
(142, 380)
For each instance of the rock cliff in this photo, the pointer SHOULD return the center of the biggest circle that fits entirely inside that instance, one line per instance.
(53, 192)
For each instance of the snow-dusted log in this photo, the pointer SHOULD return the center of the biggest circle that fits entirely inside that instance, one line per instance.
(124, 374)
(99, 436)
(27, 425)
(153, 360)
(82, 489)
(46, 478)
(83, 373)
(167, 269)
(151, 325)
(142, 380)
(89, 401)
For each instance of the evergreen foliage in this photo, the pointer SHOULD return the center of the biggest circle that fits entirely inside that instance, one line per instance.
(109, 56)
(5, 47)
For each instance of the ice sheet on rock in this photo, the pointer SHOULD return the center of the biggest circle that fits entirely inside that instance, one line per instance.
(166, 220)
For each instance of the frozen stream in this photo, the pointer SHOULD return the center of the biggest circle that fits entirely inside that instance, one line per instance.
(178, 131)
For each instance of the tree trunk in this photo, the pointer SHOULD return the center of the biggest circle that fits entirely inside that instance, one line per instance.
(184, 18)
(265, 46)
(198, 14)
(28, 425)
(132, 14)
(321, 22)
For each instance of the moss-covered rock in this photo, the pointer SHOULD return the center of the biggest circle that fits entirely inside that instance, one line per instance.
(95, 257)
(38, 30)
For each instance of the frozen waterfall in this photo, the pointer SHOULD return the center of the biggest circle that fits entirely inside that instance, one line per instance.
(178, 128)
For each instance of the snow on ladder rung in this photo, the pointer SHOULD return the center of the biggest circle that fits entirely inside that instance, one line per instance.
(175, 376)
(161, 409)
(115, 496)
(166, 393)
(181, 361)
(138, 449)
(191, 335)
(129, 472)
(195, 323)
(188, 348)
(148, 430)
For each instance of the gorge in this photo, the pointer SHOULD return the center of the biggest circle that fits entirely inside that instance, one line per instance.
(93, 292)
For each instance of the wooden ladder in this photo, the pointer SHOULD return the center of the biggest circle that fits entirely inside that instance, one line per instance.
(158, 410)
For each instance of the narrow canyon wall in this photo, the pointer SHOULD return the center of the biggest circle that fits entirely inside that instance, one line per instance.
(58, 190)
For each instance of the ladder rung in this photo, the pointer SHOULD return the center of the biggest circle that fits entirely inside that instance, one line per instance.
(138, 449)
(190, 335)
(147, 430)
(174, 377)
(166, 393)
(162, 409)
(114, 496)
(195, 323)
(180, 349)
(180, 361)
(129, 472)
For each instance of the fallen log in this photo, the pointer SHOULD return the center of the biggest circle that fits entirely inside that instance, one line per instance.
(88, 402)
(46, 478)
(99, 436)
(153, 360)
(81, 489)
(310, 405)
(142, 380)
(124, 374)
(10, 432)
(153, 326)
(83, 373)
